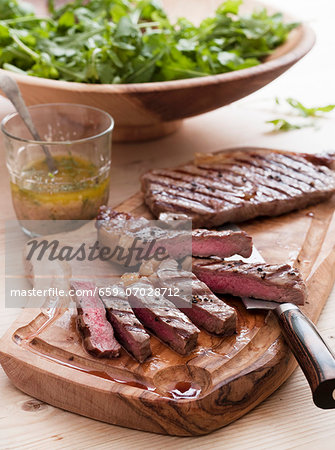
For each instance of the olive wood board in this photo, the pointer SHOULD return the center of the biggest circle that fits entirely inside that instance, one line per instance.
(220, 381)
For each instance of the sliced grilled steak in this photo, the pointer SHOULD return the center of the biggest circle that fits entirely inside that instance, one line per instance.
(128, 329)
(122, 229)
(121, 232)
(221, 243)
(280, 283)
(162, 317)
(239, 185)
(201, 305)
(97, 332)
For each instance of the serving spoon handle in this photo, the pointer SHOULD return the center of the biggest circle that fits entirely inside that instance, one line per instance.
(10, 88)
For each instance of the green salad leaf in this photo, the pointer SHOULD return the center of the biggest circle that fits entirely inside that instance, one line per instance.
(309, 112)
(129, 41)
(285, 125)
(300, 110)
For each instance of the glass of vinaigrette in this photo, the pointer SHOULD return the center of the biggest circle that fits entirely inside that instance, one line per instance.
(79, 140)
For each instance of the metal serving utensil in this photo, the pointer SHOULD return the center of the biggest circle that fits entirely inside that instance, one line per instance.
(10, 88)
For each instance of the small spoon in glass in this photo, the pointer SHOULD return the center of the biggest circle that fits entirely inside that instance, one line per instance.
(10, 88)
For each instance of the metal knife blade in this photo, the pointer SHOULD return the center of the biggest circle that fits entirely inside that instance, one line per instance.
(255, 256)
(253, 303)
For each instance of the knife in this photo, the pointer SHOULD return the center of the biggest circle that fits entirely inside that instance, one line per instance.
(315, 358)
(312, 353)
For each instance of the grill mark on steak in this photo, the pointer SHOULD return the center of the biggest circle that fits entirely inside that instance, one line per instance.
(236, 174)
(189, 198)
(221, 183)
(282, 184)
(249, 191)
(321, 159)
(92, 323)
(272, 171)
(302, 183)
(188, 192)
(262, 179)
(191, 184)
(201, 305)
(238, 181)
(197, 202)
(306, 178)
(279, 283)
(159, 203)
(264, 190)
(209, 177)
(162, 318)
(301, 164)
(273, 183)
(128, 329)
(247, 196)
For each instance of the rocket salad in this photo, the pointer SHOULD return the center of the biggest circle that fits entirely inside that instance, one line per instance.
(122, 41)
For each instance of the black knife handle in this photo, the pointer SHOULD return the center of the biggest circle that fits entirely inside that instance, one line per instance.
(312, 353)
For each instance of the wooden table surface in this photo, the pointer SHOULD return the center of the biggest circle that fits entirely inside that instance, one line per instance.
(288, 419)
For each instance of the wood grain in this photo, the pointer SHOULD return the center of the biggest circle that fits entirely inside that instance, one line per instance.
(232, 375)
(150, 110)
(288, 418)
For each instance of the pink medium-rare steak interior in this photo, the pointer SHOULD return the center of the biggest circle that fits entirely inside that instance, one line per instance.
(167, 334)
(135, 341)
(280, 283)
(97, 332)
(223, 325)
(161, 317)
(122, 229)
(128, 329)
(196, 300)
(221, 243)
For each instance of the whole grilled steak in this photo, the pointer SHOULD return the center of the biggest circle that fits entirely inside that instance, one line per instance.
(127, 328)
(221, 243)
(97, 332)
(200, 304)
(280, 283)
(162, 317)
(237, 186)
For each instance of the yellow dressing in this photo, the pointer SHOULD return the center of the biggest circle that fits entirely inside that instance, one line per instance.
(75, 192)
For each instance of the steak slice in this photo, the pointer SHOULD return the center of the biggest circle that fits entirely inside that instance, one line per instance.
(279, 283)
(161, 317)
(239, 185)
(122, 229)
(221, 243)
(201, 305)
(97, 332)
(121, 232)
(127, 328)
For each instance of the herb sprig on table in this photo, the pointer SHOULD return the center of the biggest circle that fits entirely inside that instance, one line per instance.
(123, 41)
(282, 124)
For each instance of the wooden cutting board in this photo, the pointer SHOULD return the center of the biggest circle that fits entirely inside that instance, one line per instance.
(221, 380)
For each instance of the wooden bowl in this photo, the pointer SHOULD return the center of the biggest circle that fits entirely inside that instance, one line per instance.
(151, 110)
